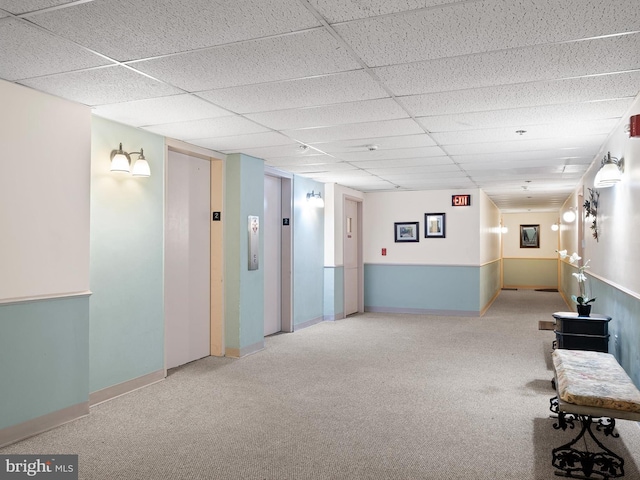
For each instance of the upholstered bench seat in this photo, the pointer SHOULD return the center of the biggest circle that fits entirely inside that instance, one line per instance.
(593, 389)
(595, 381)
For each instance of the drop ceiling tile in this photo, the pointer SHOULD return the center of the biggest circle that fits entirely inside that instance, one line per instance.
(329, 115)
(435, 183)
(101, 86)
(430, 169)
(240, 143)
(356, 130)
(127, 30)
(339, 175)
(422, 152)
(302, 160)
(528, 172)
(154, 111)
(404, 162)
(365, 186)
(565, 157)
(23, 6)
(291, 149)
(543, 62)
(492, 24)
(208, 127)
(593, 141)
(312, 52)
(304, 92)
(373, 188)
(541, 132)
(430, 176)
(569, 114)
(571, 90)
(382, 143)
(347, 10)
(29, 52)
(324, 168)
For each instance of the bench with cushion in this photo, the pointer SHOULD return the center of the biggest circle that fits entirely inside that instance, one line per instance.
(592, 388)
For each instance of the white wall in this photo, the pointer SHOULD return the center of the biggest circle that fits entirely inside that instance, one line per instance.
(44, 194)
(616, 255)
(489, 229)
(460, 247)
(548, 238)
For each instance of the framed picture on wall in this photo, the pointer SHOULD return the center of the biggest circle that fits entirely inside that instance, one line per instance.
(529, 236)
(434, 225)
(407, 231)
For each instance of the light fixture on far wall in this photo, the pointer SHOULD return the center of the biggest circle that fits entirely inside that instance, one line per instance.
(569, 216)
(555, 227)
(315, 199)
(610, 172)
(121, 162)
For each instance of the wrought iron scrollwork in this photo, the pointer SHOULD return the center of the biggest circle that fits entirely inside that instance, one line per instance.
(565, 420)
(603, 464)
(606, 426)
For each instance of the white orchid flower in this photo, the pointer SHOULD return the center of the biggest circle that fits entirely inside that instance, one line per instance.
(562, 253)
(574, 258)
(581, 277)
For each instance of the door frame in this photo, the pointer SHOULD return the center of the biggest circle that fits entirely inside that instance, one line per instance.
(216, 186)
(286, 253)
(360, 259)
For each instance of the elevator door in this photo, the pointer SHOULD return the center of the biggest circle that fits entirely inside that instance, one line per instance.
(272, 255)
(351, 263)
(187, 259)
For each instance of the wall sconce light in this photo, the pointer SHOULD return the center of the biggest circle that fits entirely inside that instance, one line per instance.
(315, 199)
(121, 162)
(610, 172)
(569, 216)
(555, 227)
(504, 229)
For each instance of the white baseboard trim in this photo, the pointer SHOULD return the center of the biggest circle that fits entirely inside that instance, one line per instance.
(43, 423)
(308, 323)
(123, 388)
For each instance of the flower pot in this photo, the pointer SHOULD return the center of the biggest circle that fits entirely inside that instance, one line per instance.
(584, 310)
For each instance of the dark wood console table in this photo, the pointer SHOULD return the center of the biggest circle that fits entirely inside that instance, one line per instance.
(574, 332)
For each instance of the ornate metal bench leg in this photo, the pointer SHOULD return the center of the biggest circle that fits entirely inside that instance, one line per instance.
(569, 461)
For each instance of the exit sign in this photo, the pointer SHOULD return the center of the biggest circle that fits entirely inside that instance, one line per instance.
(460, 200)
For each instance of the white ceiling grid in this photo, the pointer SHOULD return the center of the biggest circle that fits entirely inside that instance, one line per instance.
(371, 94)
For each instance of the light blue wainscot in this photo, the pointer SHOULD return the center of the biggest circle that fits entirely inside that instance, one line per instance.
(422, 289)
(44, 353)
(624, 328)
(333, 293)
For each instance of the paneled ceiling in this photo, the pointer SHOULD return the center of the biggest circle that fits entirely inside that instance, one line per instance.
(515, 97)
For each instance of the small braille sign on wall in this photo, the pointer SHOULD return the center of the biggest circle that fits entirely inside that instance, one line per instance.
(216, 217)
